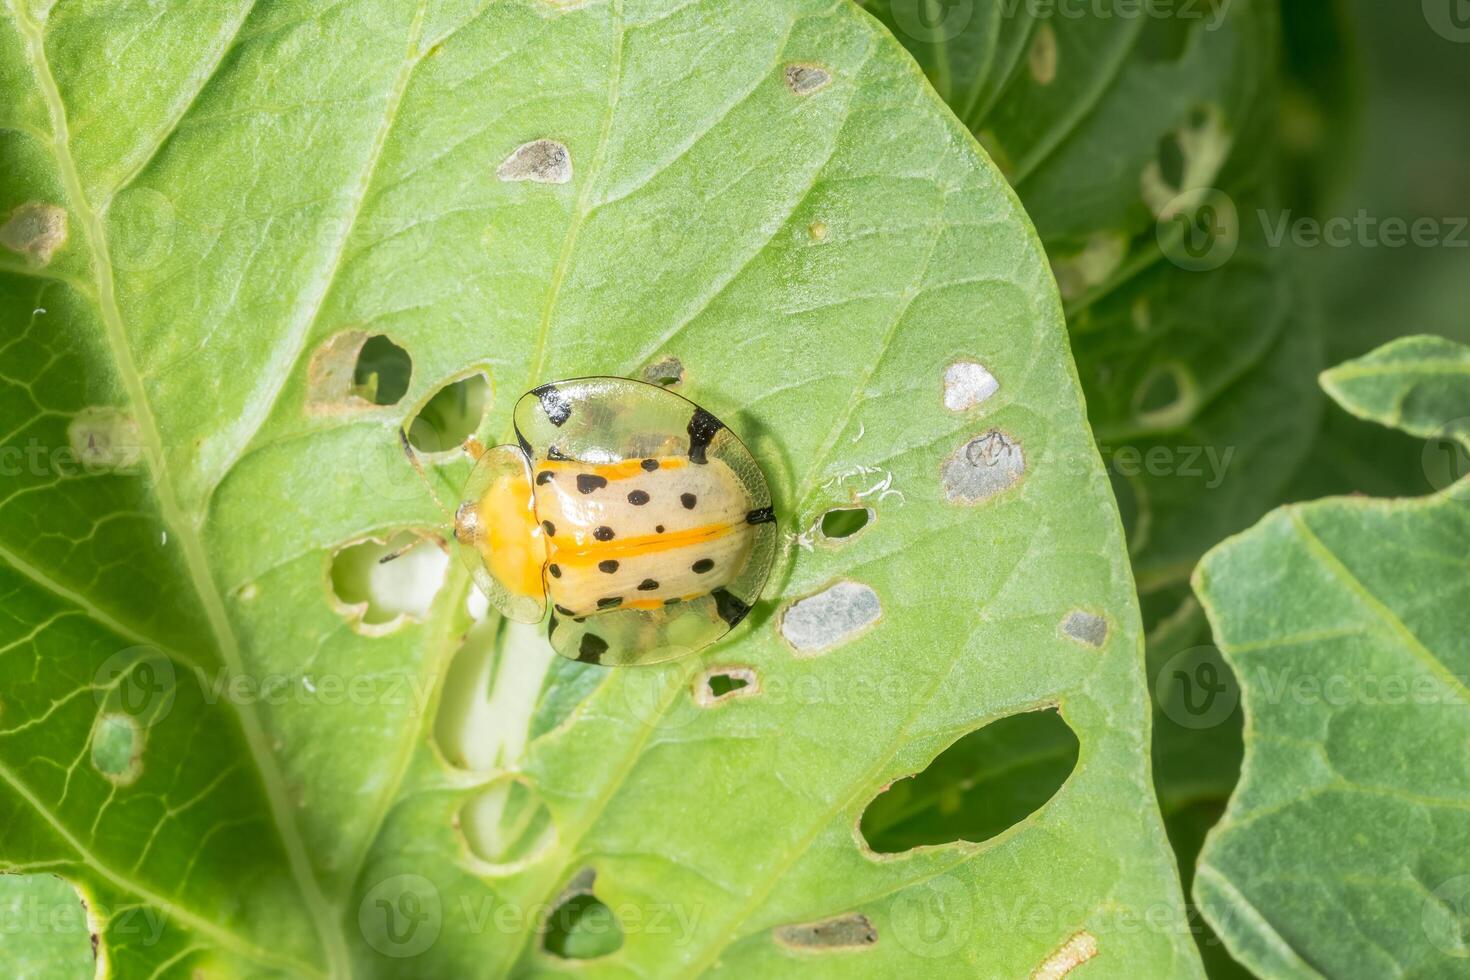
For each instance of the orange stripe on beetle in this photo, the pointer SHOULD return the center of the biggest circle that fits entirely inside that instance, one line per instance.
(626, 469)
(591, 553)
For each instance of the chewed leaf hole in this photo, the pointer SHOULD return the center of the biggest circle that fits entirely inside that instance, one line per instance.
(451, 416)
(844, 522)
(722, 684)
(355, 371)
(1186, 162)
(581, 927)
(378, 595)
(1167, 397)
(507, 825)
(1165, 39)
(979, 787)
(1171, 160)
(382, 372)
(117, 747)
(846, 932)
(725, 684)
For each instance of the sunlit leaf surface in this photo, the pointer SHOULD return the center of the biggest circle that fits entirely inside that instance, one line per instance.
(307, 763)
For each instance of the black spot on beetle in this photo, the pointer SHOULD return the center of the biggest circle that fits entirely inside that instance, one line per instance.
(702, 428)
(703, 565)
(610, 602)
(587, 483)
(591, 649)
(673, 602)
(659, 529)
(604, 533)
(730, 607)
(761, 515)
(549, 528)
(558, 407)
(637, 498)
(649, 464)
(555, 455)
(609, 566)
(647, 585)
(545, 477)
(554, 569)
(688, 500)
(563, 610)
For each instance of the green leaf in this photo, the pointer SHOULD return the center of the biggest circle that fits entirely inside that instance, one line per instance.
(1199, 369)
(1416, 384)
(763, 202)
(45, 932)
(1114, 129)
(1342, 851)
(1408, 109)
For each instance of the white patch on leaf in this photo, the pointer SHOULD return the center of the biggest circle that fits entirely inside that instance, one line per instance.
(967, 384)
(104, 439)
(36, 231)
(831, 617)
(982, 468)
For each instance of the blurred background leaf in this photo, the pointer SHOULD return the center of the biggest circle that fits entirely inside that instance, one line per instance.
(1295, 111)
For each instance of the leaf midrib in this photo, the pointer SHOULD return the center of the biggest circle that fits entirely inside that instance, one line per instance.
(173, 515)
(1411, 643)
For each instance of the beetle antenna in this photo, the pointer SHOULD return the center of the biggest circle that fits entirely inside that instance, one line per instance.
(418, 467)
(418, 539)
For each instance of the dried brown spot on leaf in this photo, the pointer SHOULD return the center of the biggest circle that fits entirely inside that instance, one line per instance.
(806, 79)
(1070, 955)
(539, 161)
(846, 932)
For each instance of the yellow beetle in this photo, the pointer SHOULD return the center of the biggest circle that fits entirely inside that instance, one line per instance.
(643, 521)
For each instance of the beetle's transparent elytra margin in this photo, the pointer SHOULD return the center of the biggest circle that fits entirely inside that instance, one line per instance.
(638, 517)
